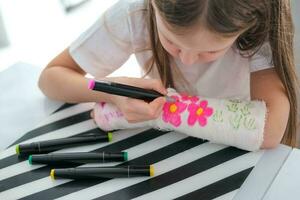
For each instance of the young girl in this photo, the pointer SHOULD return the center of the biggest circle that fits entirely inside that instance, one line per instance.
(228, 54)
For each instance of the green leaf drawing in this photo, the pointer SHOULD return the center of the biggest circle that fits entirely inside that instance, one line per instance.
(249, 123)
(235, 121)
(232, 106)
(218, 116)
(245, 110)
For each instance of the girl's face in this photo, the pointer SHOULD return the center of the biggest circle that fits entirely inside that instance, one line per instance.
(198, 46)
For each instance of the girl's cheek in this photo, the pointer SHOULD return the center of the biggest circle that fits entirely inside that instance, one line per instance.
(173, 51)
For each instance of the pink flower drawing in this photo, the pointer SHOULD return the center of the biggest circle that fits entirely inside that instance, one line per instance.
(172, 110)
(199, 112)
(186, 97)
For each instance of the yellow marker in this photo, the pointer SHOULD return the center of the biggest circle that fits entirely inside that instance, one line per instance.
(102, 172)
(52, 174)
(151, 170)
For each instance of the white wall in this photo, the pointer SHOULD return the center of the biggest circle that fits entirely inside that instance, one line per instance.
(40, 29)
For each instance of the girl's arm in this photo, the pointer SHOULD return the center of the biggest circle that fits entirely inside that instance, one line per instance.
(266, 86)
(64, 80)
(248, 125)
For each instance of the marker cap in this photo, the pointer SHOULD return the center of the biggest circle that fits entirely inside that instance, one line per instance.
(52, 174)
(30, 159)
(125, 154)
(109, 136)
(151, 170)
(91, 84)
(18, 149)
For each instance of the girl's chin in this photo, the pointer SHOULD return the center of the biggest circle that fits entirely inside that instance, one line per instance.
(206, 61)
(199, 62)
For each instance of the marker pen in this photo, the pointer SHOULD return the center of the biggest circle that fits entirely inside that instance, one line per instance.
(103, 172)
(126, 90)
(77, 158)
(56, 144)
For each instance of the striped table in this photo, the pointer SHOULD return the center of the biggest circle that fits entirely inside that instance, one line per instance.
(185, 167)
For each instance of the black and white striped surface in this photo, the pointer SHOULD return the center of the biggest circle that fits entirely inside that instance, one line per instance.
(185, 167)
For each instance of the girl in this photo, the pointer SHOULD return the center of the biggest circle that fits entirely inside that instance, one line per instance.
(219, 49)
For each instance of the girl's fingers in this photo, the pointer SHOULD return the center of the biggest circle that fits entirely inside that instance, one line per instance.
(160, 109)
(158, 86)
(92, 114)
(148, 111)
(139, 107)
(136, 110)
(157, 105)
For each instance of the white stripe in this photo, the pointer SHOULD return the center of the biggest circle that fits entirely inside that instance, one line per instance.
(16, 169)
(134, 152)
(24, 166)
(228, 196)
(205, 178)
(160, 168)
(60, 133)
(27, 189)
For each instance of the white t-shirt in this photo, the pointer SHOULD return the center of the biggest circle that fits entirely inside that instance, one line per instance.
(122, 31)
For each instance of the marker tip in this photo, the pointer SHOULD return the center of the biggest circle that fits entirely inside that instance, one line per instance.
(151, 170)
(125, 154)
(30, 159)
(109, 135)
(91, 84)
(17, 149)
(52, 174)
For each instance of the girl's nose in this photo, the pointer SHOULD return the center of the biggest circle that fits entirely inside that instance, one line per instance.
(188, 58)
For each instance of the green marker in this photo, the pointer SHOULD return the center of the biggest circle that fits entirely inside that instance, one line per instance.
(77, 158)
(53, 145)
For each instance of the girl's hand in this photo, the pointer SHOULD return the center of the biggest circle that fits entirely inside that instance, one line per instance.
(136, 110)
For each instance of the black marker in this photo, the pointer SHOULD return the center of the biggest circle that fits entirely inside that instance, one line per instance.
(77, 158)
(126, 90)
(52, 145)
(102, 172)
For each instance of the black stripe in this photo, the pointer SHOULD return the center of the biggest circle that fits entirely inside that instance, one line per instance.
(55, 126)
(220, 187)
(64, 106)
(14, 159)
(176, 175)
(146, 159)
(43, 172)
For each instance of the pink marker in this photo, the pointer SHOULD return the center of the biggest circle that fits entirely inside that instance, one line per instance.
(91, 84)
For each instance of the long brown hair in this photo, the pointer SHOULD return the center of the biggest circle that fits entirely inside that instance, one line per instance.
(258, 21)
